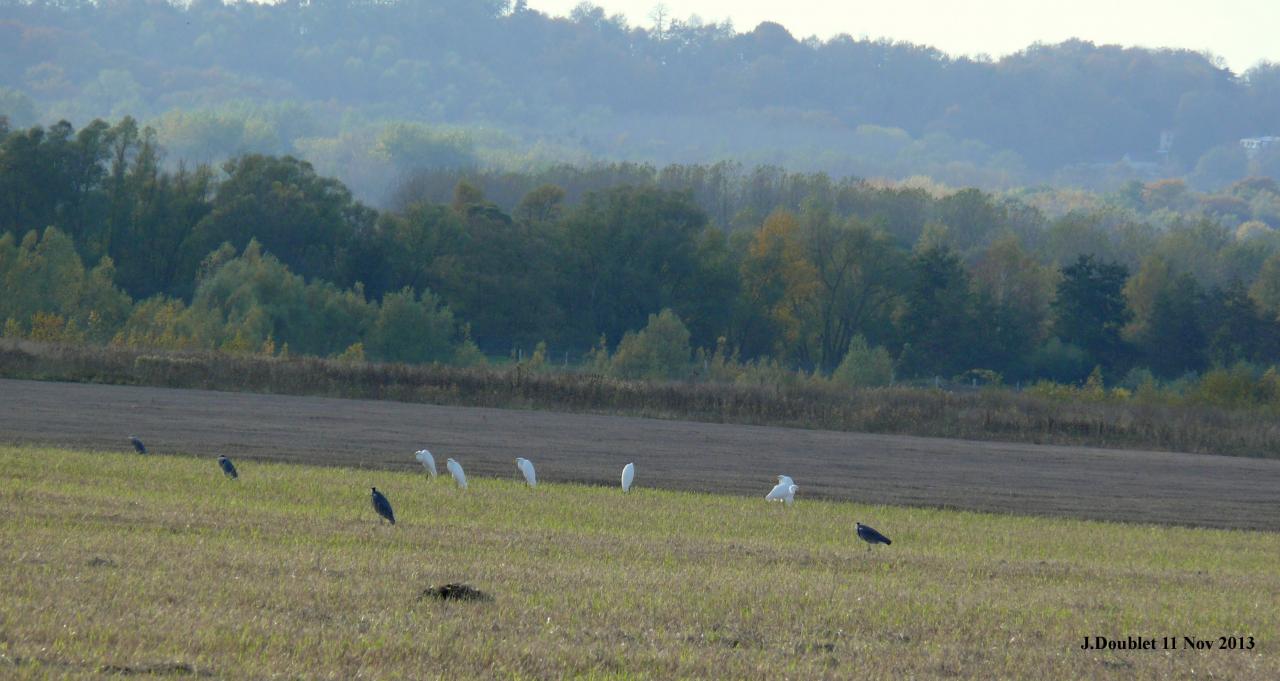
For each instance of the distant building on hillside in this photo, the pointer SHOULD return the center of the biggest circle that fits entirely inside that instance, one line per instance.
(1253, 145)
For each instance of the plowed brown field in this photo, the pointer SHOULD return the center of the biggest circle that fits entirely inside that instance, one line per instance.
(1131, 486)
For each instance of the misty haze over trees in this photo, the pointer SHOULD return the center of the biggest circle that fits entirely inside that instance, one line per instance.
(369, 91)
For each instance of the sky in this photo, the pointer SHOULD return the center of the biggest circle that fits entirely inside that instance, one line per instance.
(1242, 32)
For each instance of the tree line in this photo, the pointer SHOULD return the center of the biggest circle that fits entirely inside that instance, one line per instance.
(873, 283)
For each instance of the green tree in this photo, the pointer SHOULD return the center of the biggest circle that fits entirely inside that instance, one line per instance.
(1014, 291)
(1074, 235)
(630, 251)
(1265, 290)
(970, 216)
(1060, 362)
(157, 322)
(864, 366)
(660, 350)
(858, 272)
(411, 328)
(1236, 330)
(1173, 342)
(256, 297)
(422, 248)
(410, 146)
(149, 212)
(542, 205)
(1089, 310)
(53, 178)
(46, 276)
(1171, 194)
(507, 280)
(1195, 247)
(305, 220)
(938, 324)
(1141, 290)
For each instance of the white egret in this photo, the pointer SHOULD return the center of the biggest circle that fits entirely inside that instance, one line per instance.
(428, 462)
(526, 467)
(455, 469)
(784, 491)
(628, 475)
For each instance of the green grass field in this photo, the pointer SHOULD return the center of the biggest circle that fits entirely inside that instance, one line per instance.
(121, 564)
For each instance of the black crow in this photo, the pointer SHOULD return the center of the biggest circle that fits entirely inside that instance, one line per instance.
(228, 467)
(382, 506)
(869, 535)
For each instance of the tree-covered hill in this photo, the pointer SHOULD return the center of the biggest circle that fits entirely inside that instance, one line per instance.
(323, 79)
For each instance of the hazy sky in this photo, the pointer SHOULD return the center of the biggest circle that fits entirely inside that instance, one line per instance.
(1241, 31)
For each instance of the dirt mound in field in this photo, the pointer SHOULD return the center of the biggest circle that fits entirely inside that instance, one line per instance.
(159, 669)
(454, 592)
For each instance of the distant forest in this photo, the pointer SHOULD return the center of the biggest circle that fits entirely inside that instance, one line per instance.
(633, 274)
(371, 91)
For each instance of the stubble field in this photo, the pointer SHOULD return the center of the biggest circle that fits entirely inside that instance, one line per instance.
(115, 563)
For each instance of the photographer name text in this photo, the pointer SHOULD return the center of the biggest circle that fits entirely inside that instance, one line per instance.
(1168, 643)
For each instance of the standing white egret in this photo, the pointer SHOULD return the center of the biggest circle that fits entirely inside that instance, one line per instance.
(455, 469)
(428, 461)
(628, 475)
(526, 467)
(784, 491)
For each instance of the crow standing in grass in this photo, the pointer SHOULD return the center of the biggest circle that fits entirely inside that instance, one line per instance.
(382, 506)
(869, 535)
(227, 467)
(137, 445)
